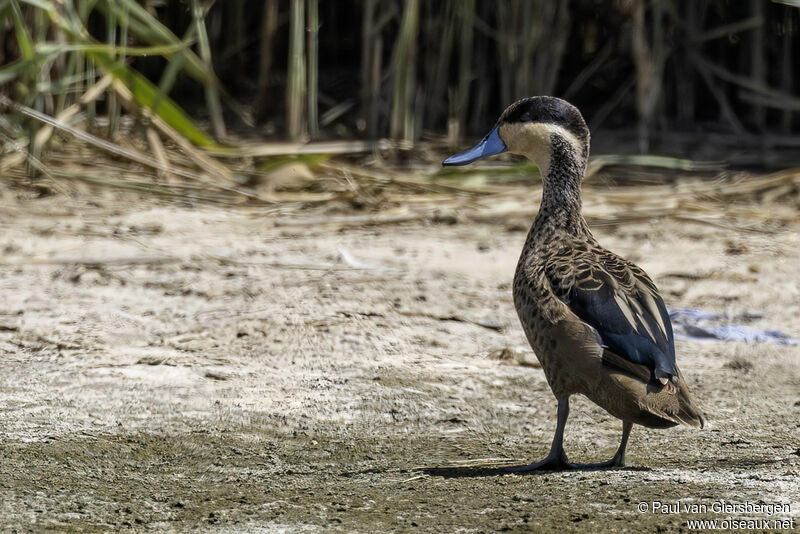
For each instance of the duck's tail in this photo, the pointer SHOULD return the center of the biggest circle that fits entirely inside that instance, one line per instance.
(657, 403)
(687, 413)
(673, 402)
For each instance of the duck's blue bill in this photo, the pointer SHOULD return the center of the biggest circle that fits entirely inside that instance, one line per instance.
(488, 146)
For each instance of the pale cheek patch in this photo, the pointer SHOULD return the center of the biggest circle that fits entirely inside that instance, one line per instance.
(532, 140)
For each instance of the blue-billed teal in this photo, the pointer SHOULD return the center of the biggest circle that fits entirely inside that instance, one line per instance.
(595, 320)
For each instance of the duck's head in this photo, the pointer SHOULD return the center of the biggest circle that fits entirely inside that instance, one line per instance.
(536, 128)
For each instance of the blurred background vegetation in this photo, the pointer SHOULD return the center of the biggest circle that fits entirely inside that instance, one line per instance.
(218, 90)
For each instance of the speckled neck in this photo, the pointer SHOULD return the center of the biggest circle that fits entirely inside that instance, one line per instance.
(560, 210)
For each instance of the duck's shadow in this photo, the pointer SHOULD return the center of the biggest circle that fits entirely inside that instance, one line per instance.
(478, 471)
(482, 471)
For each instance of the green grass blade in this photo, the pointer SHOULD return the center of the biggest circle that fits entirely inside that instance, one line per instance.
(23, 38)
(12, 70)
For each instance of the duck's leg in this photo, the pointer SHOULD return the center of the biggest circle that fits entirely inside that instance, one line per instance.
(557, 459)
(619, 457)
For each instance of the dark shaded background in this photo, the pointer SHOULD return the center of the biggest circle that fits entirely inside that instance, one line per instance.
(753, 44)
(692, 78)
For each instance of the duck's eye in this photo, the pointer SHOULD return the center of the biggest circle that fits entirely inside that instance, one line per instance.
(526, 117)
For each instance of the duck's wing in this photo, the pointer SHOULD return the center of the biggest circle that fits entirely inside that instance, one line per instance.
(618, 300)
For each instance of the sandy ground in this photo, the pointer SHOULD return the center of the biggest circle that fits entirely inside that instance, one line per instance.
(201, 369)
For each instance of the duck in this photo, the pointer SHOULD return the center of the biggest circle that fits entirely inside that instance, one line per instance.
(595, 320)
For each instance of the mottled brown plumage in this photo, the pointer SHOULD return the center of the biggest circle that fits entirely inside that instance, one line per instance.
(595, 320)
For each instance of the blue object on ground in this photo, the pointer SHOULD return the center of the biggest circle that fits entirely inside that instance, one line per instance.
(694, 324)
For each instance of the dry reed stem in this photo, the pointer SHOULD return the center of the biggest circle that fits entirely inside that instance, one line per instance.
(161, 156)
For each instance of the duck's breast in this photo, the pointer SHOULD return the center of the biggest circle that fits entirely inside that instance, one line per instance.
(567, 348)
